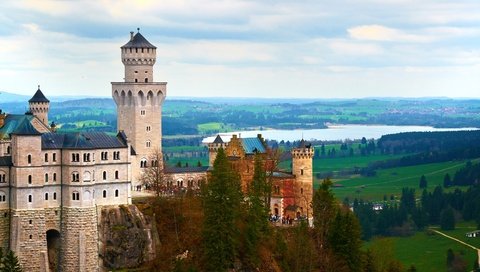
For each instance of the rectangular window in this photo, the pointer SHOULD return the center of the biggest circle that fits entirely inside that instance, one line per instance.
(54, 157)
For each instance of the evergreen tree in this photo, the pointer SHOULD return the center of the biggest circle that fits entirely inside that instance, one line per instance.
(344, 239)
(447, 181)
(257, 221)
(221, 202)
(10, 263)
(423, 182)
(324, 209)
(447, 219)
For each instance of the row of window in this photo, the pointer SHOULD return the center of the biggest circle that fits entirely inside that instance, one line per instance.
(88, 177)
(54, 178)
(54, 157)
(136, 50)
(104, 155)
(75, 196)
(76, 156)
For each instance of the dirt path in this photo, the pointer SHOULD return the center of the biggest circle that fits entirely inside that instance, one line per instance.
(459, 241)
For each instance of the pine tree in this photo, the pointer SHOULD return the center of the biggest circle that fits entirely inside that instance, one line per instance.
(324, 209)
(221, 201)
(257, 221)
(423, 182)
(447, 219)
(10, 263)
(447, 181)
(344, 239)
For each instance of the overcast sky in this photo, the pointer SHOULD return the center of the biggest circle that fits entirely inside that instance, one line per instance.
(317, 49)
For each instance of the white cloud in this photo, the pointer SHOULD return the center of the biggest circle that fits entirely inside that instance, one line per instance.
(382, 33)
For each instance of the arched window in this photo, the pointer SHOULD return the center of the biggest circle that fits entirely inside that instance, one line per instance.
(75, 195)
(87, 176)
(301, 172)
(116, 193)
(8, 149)
(29, 159)
(54, 176)
(104, 175)
(46, 177)
(75, 176)
(29, 179)
(46, 196)
(30, 198)
(143, 163)
(116, 174)
(46, 157)
(148, 143)
(3, 196)
(54, 157)
(104, 193)
(3, 177)
(301, 191)
(146, 79)
(54, 196)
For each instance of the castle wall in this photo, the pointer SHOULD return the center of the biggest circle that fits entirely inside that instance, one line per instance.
(28, 238)
(79, 236)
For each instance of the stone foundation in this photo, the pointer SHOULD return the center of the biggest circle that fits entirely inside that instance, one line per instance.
(79, 251)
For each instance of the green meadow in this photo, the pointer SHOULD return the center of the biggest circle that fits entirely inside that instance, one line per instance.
(391, 181)
(427, 251)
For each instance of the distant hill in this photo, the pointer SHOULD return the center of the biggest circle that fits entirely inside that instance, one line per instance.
(7, 97)
(11, 97)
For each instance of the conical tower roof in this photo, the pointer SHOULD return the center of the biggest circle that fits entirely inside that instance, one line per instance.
(38, 97)
(138, 41)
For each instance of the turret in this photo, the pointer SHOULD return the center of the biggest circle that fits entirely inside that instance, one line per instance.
(138, 56)
(302, 168)
(213, 149)
(39, 106)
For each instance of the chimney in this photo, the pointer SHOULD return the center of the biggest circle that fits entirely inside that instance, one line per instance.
(2, 118)
(53, 127)
(131, 35)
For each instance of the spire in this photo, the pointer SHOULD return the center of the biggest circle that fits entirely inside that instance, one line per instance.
(38, 97)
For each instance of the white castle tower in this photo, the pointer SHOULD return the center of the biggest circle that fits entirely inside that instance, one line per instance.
(139, 102)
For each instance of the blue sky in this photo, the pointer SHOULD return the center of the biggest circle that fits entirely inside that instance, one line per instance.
(304, 49)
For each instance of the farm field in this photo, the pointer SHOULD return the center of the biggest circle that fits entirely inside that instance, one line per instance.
(460, 230)
(428, 252)
(391, 181)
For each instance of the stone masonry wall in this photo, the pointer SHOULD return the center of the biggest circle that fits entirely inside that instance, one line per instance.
(29, 239)
(4, 228)
(79, 240)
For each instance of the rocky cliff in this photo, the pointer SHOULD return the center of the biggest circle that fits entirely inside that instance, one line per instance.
(126, 237)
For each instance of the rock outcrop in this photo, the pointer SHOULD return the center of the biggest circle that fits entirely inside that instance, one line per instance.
(126, 237)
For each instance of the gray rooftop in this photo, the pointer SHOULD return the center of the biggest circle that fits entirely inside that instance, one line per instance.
(138, 41)
(82, 140)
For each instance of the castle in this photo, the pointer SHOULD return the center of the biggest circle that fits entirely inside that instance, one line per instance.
(52, 185)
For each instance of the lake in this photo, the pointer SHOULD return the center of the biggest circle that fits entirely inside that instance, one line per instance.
(333, 132)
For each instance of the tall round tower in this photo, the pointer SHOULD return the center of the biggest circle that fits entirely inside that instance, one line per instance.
(302, 168)
(39, 106)
(139, 102)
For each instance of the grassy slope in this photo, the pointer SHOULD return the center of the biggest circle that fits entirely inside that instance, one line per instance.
(428, 252)
(391, 181)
